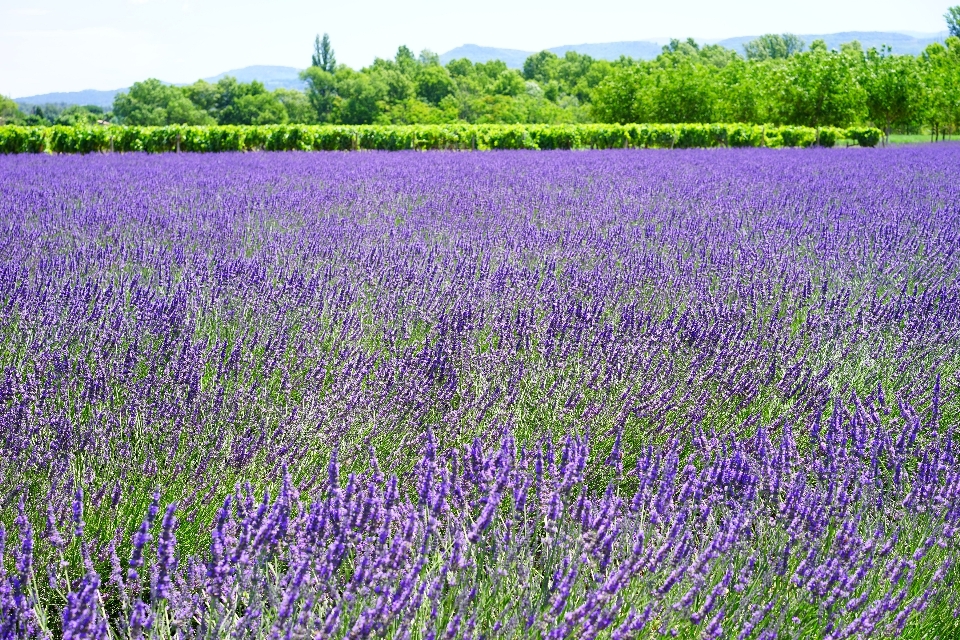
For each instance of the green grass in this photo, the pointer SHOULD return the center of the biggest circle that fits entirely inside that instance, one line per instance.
(915, 138)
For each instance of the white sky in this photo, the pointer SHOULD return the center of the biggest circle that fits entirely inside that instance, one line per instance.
(69, 45)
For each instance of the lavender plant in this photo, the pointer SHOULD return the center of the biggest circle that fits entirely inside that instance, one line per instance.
(607, 394)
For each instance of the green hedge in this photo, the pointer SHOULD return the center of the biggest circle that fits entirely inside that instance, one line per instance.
(865, 136)
(60, 139)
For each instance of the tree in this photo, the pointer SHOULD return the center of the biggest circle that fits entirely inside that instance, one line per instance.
(684, 93)
(773, 46)
(509, 83)
(406, 61)
(9, 111)
(498, 109)
(322, 93)
(181, 111)
(682, 81)
(941, 74)
(297, 105)
(399, 85)
(76, 115)
(428, 58)
(817, 88)
(434, 84)
(152, 103)
(620, 97)
(688, 47)
(739, 97)
(38, 117)
(716, 56)
(580, 75)
(460, 68)
(229, 94)
(232, 102)
(953, 21)
(413, 111)
(541, 67)
(363, 95)
(893, 88)
(257, 108)
(323, 56)
(206, 96)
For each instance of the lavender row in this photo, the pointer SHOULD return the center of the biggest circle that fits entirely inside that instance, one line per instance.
(742, 539)
(183, 324)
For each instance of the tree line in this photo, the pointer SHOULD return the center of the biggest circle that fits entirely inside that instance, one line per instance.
(778, 80)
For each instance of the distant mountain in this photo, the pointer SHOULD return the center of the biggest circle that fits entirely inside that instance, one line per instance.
(515, 57)
(899, 43)
(89, 96)
(638, 49)
(475, 53)
(271, 77)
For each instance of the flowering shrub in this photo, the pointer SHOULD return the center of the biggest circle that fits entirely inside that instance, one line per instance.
(610, 394)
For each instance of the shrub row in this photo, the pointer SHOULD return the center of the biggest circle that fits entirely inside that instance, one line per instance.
(62, 139)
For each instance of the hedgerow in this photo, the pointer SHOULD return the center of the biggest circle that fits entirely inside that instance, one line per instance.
(202, 139)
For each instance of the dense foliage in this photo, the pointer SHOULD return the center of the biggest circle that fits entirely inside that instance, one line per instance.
(695, 394)
(59, 139)
(776, 82)
(813, 88)
(52, 114)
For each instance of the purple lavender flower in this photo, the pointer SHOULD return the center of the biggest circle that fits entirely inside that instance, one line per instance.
(166, 565)
(82, 617)
(78, 523)
(141, 538)
(761, 345)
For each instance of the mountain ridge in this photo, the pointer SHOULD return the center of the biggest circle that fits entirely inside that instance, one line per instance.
(900, 43)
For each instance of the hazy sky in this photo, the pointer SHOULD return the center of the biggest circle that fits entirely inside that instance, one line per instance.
(69, 45)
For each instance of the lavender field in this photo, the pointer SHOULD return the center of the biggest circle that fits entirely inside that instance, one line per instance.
(599, 394)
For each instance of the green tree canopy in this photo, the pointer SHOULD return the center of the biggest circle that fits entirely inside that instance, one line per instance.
(363, 96)
(952, 17)
(231, 102)
(893, 87)
(257, 108)
(428, 58)
(773, 46)
(940, 68)
(406, 61)
(74, 115)
(775, 82)
(323, 55)
(10, 111)
(684, 93)
(619, 98)
(816, 88)
(434, 84)
(297, 106)
(739, 92)
(541, 67)
(153, 103)
(509, 82)
(460, 68)
(322, 93)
